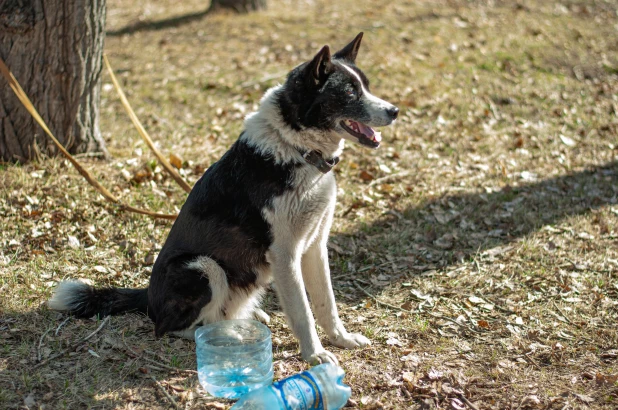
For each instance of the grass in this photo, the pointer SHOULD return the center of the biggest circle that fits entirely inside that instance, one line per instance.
(495, 235)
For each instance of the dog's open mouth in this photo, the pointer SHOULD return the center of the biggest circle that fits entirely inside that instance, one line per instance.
(363, 133)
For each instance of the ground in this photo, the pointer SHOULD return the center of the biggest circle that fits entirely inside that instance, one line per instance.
(477, 248)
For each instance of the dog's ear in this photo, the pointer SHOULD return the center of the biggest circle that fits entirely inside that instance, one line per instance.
(349, 52)
(320, 67)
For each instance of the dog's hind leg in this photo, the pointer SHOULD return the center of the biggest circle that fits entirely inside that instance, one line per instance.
(191, 292)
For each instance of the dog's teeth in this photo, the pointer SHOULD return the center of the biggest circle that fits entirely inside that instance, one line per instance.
(377, 136)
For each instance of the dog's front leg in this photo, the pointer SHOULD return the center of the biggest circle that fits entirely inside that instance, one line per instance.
(286, 268)
(316, 275)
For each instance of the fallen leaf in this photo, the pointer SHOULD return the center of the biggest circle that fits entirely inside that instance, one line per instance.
(585, 235)
(550, 246)
(445, 242)
(444, 218)
(126, 175)
(411, 358)
(409, 378)
(175, 161)
(150, 259)
(142, 174)
(391, 341)
(338, 249)
(519, 142)
(176, 387)
(601, 379)
(29, 401)
(609, 355)
(531, 401)
(498, 250)
(384, 169)
(483, 323)
(407, 306)
(434, 374)
(569, 142)
(487, 306)
(366, 176)
(584, 399)
(447, 389)
(528, 176)
(419, 295)
(457, 404)
(73, 242)
(385, 188)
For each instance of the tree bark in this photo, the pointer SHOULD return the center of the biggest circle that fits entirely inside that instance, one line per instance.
(240, 6)
(55, 50)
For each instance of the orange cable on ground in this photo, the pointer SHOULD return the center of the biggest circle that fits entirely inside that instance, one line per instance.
(23, 98)
(142, 132)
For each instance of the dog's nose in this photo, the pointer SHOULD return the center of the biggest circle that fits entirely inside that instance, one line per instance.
(393, 112)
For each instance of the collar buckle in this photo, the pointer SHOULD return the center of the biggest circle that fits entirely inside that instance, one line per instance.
(315, 158)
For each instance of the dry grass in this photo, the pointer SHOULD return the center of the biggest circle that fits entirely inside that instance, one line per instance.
(493, 233)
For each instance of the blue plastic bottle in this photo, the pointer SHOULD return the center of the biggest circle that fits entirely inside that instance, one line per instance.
(234, 357)
(319, 388)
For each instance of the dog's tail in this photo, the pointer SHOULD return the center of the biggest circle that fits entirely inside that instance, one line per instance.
(84, 301)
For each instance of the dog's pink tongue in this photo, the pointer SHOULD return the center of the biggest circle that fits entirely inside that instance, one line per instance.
(361, 128)
(365, 130)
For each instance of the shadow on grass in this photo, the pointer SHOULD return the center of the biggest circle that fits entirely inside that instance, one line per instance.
(452, 228)
(91, 372)
(159, 24)
(177, 21)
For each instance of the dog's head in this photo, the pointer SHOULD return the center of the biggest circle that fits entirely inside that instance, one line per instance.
(331, 94)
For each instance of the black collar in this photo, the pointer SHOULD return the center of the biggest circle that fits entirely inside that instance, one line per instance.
(316, 159)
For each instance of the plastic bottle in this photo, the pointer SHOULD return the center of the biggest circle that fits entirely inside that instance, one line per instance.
(319, 388)
(234, 357)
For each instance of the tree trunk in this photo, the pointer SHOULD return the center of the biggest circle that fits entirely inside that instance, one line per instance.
(54, 48)
(240, 6)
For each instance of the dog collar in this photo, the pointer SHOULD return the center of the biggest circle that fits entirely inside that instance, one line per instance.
(315, 158)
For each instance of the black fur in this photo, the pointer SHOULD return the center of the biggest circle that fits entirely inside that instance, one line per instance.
(88, 301)
(349, 52)
(317, 94)
(221, 219)
(176, 293)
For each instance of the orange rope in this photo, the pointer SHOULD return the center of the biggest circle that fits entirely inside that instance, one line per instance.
(142, 132)
(23, 98)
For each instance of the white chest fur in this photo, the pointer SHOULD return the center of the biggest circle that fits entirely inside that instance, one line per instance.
(297, 217)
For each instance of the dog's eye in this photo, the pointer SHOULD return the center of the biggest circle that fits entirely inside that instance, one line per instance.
(351, 93)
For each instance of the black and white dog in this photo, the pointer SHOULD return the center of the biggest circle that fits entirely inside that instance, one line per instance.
(262, 212)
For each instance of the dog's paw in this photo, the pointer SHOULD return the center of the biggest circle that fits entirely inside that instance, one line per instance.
(261, 316)
(323, 356)
(350, 340)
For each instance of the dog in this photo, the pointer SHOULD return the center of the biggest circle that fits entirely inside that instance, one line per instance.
(261, 213)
